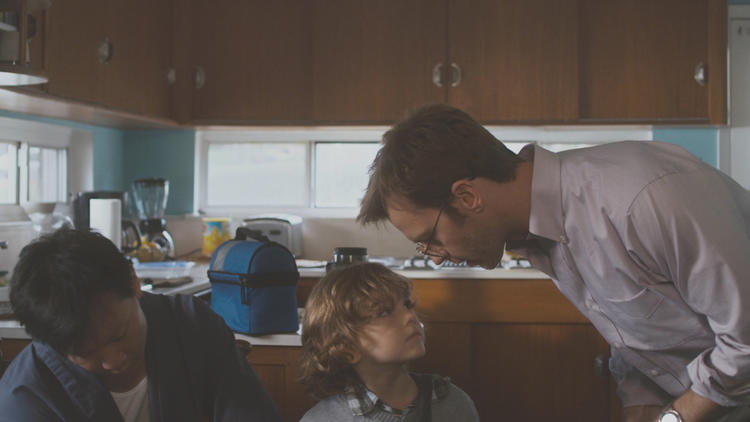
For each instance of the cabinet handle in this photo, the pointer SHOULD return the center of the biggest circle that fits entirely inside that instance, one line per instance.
(199, 77)
(171, 76)
(701, 74)
(456, 75)
(601, 366)
(437, 75)
(104, 51)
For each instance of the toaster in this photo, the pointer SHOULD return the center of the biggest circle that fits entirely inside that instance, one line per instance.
(285, 229)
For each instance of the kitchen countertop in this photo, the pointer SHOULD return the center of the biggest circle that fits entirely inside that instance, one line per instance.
(13, 330)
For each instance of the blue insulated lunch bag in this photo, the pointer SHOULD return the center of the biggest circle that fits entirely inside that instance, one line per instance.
(254, 285)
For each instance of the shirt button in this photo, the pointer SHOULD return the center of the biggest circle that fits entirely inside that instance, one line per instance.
(563, 239)
(617, 344)
(654, 372)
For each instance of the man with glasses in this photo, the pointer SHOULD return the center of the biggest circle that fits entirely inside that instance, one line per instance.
(647, 241)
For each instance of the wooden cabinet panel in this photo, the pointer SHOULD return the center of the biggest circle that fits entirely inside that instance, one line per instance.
(638, 58)
(255, 55)
(539, 372)
(277, 367)
(140, 34)
(449, 353)
(373, 60)
(75, 28)
(518, 59)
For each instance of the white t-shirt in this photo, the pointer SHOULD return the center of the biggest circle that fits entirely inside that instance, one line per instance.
(133, 404)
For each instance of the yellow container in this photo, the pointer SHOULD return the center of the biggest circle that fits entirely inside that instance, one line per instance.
(215, 232)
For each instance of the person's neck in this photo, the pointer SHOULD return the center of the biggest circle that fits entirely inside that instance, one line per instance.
(391, 383)
(126, 381)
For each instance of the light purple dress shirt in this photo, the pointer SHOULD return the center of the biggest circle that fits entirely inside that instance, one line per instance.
(652, 245)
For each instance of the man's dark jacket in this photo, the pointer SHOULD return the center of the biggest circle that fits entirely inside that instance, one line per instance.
(194, 374)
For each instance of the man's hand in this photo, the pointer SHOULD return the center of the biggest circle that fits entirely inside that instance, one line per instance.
(696, 408)
(691, 406)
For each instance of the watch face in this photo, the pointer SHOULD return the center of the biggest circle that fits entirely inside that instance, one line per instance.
(670, 416)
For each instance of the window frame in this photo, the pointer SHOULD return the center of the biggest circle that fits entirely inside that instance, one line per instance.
(77, 142)
(312, 135)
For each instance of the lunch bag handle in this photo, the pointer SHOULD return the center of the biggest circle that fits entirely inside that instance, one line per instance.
(243, 233)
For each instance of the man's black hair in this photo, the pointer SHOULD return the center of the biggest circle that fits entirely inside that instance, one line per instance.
(57, 277)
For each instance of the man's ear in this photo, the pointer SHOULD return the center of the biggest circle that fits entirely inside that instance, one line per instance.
(135, 282)
(466, 196)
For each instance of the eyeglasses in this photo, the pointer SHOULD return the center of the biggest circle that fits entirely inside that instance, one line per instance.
(424, 249)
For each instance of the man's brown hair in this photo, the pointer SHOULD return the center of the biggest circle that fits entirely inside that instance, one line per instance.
(339, 305)
(425, 153)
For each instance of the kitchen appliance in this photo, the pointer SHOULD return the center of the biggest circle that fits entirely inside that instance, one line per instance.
(285, 229)
(130, 237)
(150, 198)
(16, 231)
(343, 256)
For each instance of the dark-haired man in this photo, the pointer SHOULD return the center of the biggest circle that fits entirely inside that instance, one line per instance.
(104, 351)
(647, 241)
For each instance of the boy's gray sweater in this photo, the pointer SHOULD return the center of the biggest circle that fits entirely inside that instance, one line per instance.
(454, 406)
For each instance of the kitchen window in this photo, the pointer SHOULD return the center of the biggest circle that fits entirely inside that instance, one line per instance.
(324, 171)
(42, 163)
(32, 174)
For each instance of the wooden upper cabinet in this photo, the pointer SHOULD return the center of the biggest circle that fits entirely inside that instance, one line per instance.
(638, 60)
(138, 34)
(374, 59)
(517, 59)
(75, 28)
(141, 35)
(254, 58)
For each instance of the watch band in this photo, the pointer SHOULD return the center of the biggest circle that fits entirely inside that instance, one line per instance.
(670, 415)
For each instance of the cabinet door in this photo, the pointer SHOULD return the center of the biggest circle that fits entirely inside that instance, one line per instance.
(638, 60)
(535, 372)
(517, 59)
(278, 370)
(133, 79)
(255, 56)
(75, 28)
(374, 59)
(141, 36)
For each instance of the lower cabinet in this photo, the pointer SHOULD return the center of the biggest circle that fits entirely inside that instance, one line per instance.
(277, 367)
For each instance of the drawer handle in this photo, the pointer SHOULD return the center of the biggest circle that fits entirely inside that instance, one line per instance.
(601, 367)
(700, 74)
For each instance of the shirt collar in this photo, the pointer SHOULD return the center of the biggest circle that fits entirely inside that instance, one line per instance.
(546, 216)
(362, 401)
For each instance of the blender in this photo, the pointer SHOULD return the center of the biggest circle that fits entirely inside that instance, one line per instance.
(150, 197)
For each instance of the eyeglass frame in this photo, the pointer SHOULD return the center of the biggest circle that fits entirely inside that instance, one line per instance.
(424, 249)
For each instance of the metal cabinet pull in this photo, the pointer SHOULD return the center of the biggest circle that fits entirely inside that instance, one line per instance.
(104, 51)
(199, 77)
(701, 74)
(437, 75)
(171, 76)
(456, 75)
(601, 365)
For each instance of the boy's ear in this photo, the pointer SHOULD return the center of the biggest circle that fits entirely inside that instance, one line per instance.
(467, 197)
(354, 356)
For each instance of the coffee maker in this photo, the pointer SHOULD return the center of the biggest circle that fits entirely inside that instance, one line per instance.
(131, 238)
(150, 198)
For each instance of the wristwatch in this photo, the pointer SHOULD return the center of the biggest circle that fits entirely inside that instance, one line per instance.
(669, 415)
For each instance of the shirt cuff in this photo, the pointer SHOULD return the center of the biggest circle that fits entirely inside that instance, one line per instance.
(709, 374)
